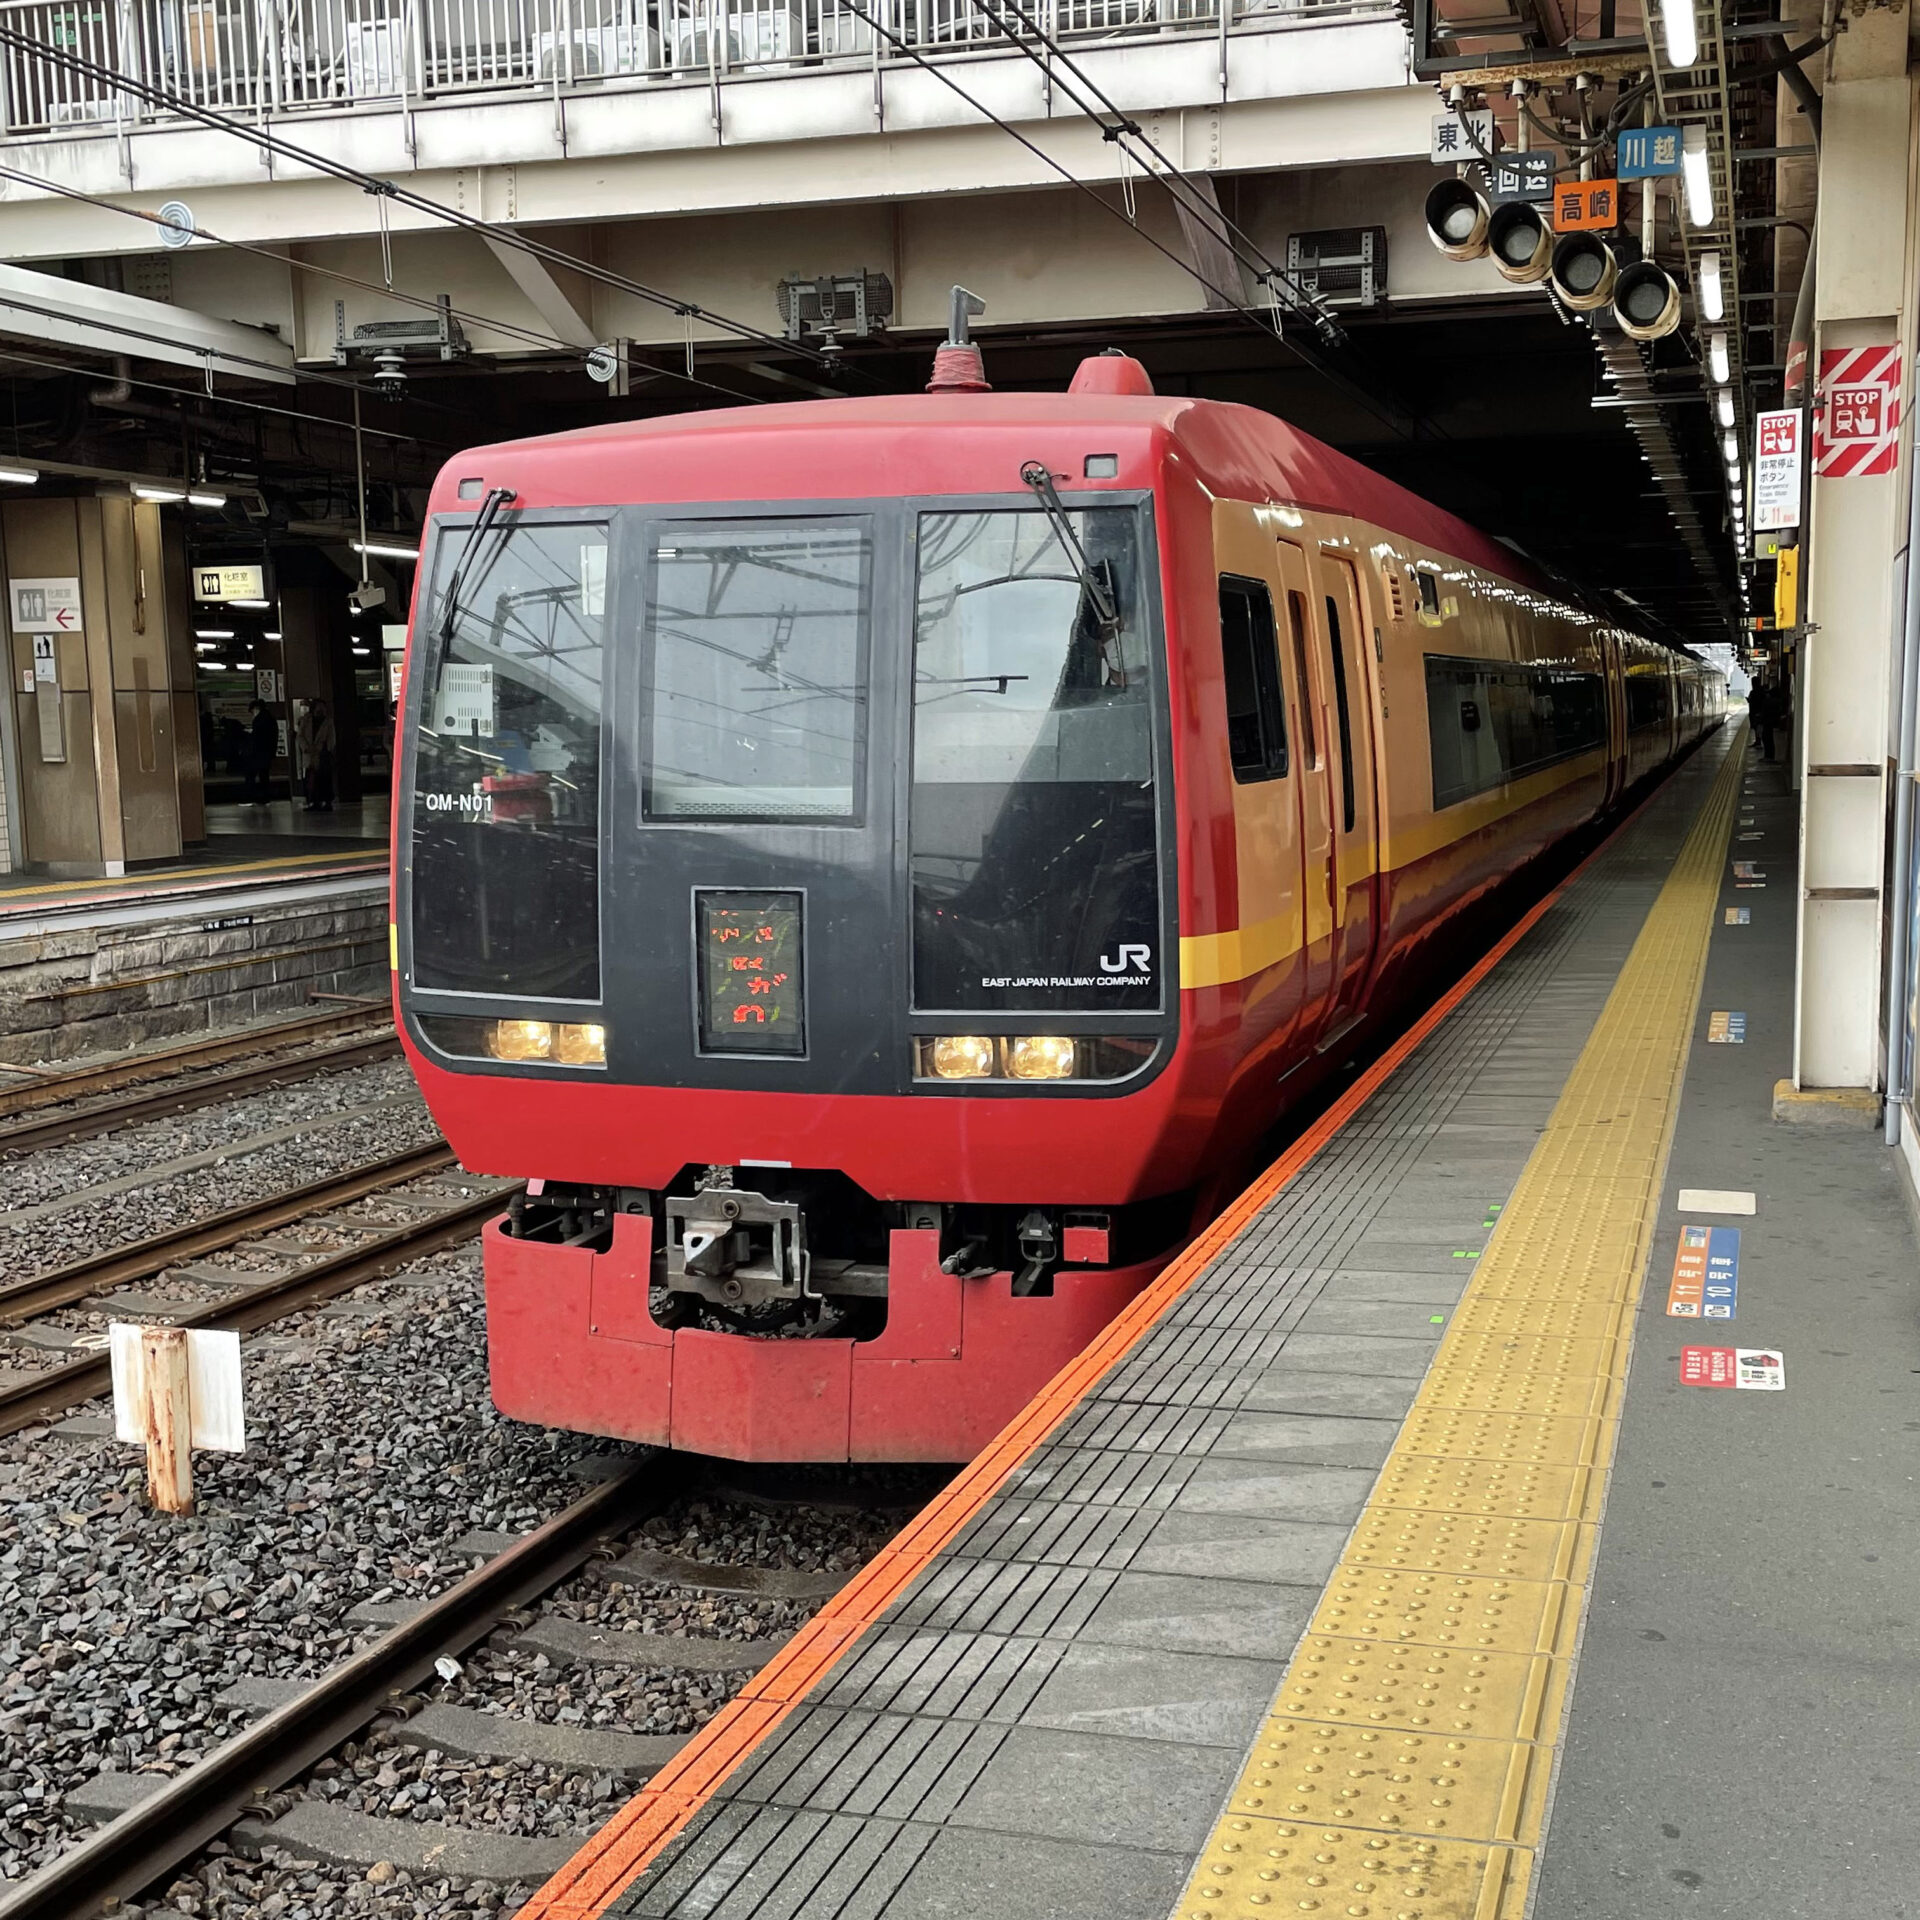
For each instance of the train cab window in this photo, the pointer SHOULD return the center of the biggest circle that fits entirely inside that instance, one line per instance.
(1337, 655)
(1033, 823)
(505, 773)
(1250, 656)
(1297, 624)
(756, 652)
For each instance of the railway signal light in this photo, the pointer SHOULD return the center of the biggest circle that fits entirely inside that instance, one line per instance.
(1583, 271)
(1457, 219)
(1646, 301)
(1519, 243)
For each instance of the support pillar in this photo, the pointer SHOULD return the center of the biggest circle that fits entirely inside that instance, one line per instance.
(1863, 298)
(318, 650)
(94, 717)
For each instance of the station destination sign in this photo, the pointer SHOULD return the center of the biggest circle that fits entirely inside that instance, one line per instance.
(1520, 176)
(1586, 206)
(1648, 153)
(1461, 136)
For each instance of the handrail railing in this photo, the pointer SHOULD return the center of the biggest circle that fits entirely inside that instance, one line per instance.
(274, 56)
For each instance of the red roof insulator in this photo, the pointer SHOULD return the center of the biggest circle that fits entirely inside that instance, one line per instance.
(958, 369)
(1112, 372)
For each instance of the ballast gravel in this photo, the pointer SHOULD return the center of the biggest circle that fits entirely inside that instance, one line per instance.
(341, 1136)
(372, 1446)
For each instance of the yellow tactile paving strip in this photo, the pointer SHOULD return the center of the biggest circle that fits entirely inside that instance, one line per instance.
(1403, 1771)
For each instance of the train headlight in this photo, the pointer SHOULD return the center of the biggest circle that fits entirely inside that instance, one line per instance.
(521, 1040)
(961, 1056)
(580, 1046)
(1040, 1056)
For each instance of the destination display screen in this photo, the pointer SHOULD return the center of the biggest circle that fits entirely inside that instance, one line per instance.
(752, 996)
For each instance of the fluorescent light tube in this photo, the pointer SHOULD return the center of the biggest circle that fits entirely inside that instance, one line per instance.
(385, 550)
(1717, 362)
(1699, 180)
(1713, 299)
(1677, 29)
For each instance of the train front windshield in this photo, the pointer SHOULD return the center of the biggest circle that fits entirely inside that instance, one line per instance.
(786, 686)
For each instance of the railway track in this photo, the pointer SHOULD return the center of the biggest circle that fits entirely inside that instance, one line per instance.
(249, 1301)
(235, 1791)
(81, 1122)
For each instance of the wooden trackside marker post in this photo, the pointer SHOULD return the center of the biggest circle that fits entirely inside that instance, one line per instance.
(174, 1389)
(166, 1418)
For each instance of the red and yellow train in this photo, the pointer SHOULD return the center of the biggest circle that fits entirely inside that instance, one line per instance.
(876, 867)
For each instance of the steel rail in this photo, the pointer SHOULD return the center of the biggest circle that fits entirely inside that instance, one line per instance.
(132, 1851)
(61, 1087)
(142, 1259)
(40, 1395)
(31, 1135)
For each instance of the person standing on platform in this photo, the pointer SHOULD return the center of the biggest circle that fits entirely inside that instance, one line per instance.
(263, 741)
(316, 752)
(1761, 711)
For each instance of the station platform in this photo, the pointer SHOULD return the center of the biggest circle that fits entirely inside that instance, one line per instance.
(1427, 1543)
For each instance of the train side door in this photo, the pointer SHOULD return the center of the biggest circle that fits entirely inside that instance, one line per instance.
(1347, 722)
(1268, 952)
(1301, 652)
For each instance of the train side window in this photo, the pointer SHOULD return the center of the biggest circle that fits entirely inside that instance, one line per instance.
(1340, 708)
(1297, 622)
(1429, 591)
(1250, 654)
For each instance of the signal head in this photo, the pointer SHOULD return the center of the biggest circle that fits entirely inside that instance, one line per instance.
(1646, 301)
(1457, 219)
(1583, 271)
(1519, 244)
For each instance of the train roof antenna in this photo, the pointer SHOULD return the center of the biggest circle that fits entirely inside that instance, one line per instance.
(957, 366)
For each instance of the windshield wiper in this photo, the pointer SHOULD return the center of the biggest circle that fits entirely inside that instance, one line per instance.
(1096, 581)
(497, 497)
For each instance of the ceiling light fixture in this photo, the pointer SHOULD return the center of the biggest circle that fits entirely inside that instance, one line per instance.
(213, 633)
(1718, 363)
(385, 550)
(160, 496)
(18, 476)
(1699, 179)
(197, 498)
(1713, 298)
(1678, 30)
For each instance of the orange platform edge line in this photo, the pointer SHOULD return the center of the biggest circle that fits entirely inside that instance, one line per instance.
(629, 1843)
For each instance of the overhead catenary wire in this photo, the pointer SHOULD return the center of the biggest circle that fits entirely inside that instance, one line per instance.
(1381, 410)
(547, 341)
(398, 195)
(1123, 127)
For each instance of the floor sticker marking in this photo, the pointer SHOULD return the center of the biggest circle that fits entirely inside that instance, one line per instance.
(1752, 1367)
(1727, 1029)
(1706, 1274)
(1714, 1200)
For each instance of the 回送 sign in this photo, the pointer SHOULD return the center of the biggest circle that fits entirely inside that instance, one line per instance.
(1586, 206)
(1520, 176)
(1856, 424)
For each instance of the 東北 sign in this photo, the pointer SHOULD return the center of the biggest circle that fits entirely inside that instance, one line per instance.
(1586, 206)
(1779, 443)
(229, 583)
(1461, 136)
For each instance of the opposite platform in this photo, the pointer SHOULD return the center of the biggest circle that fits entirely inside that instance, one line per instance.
(1040, 1697)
